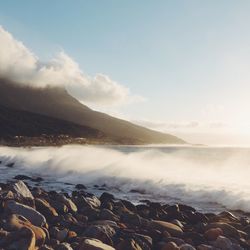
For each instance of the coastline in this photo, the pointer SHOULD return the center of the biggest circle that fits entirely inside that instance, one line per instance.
(32, 218)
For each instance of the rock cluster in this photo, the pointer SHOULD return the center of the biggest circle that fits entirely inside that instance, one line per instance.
(32, 218)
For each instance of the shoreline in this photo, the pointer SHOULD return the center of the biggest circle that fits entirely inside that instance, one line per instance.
(32, 218)
(62, 140)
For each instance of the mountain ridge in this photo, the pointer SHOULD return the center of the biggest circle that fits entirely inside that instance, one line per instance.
(57, 103)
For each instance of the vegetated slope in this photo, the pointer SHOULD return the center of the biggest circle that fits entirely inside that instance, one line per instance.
(23, 123)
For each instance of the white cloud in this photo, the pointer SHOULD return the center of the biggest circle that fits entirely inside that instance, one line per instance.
(19, 64)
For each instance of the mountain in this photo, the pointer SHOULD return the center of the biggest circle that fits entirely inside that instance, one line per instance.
(23, 123)
(57, 103)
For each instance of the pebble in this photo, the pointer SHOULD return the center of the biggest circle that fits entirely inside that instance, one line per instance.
(32, 218)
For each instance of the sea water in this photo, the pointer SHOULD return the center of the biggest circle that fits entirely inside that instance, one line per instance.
(211, 179)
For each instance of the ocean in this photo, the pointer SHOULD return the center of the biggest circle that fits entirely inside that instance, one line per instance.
(211, 179)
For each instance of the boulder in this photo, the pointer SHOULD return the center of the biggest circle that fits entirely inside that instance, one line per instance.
(66, 201)
(102, 233)
(21, 190)
(223, 243)
(17, 222)
(227, 229)
(170, 246)
(45, 208)
(29, 213)
(213, 233)
(87, 201)
(94, 244)
(105, 197)
(131, 219)
(23, 239)
(144, 241)
(106, 214)
(162, 226)
(80, 186)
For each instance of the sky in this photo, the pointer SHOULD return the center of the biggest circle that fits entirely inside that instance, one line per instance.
(181, 67)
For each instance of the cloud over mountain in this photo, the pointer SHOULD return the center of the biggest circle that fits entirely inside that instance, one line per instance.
(19, 64)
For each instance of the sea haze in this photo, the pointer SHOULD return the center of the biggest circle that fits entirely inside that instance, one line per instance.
(208, 178)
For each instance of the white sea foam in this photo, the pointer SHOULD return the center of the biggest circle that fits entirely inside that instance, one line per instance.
(193, 175)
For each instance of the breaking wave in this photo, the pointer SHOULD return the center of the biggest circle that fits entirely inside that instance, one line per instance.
(199, 176)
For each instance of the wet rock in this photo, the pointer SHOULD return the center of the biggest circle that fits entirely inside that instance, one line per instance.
(108, 205)
(244, 221)
(17, 222)
(67, 202)
(162, 226)
(177, 223)
(131, 219)
(132, 239)
(102, 233)
(93, 213)
(106, 214)
(144, 241)
(10, 165)
(173, 212)
(139, 191)
(170, 246)
(45, 208)
(143, 210)
(228, 215)
(31, 214)
(105, 197)
(184, 208)
(94, 244)
(223, 243)
(23, 239)
(80, 186)
(213, 233)
(129, 205)
(70, 222)
(22, 177)
(195, 217)
(21, 190)
(37, 179)
(60, 207)
(90, 201)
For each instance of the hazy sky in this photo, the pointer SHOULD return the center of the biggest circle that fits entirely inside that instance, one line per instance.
(183, 65)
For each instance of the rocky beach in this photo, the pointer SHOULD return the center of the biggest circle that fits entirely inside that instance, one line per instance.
(32, 218)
